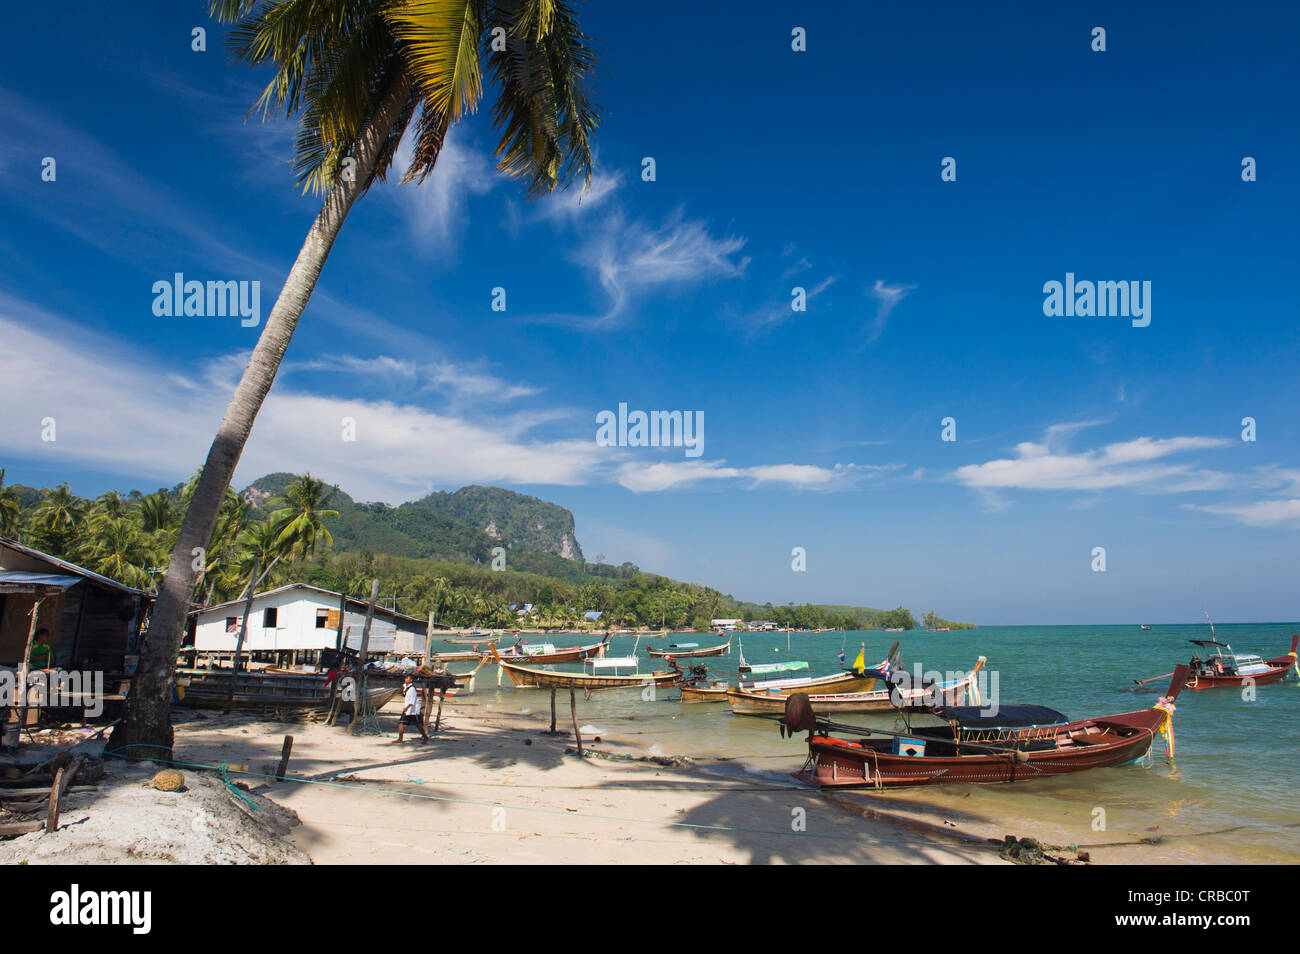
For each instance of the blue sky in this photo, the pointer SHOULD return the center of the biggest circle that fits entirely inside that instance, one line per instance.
(775, 169)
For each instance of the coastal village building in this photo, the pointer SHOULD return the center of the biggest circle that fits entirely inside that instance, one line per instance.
(294, 623)
(725, 623)
(93, 622)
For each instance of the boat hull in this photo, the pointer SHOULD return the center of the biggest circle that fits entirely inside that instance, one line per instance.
(704, 693)
(297, 693)
(869, 763)
(692, 653)
(525, 677)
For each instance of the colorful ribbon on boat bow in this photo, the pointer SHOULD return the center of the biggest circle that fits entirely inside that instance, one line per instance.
(1166, 727)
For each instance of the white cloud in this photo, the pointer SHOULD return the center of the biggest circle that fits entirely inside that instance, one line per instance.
(118, 411)
(438, 212)
(886, 296)
(1129, 464)
(631, 257)
(643, 478)
(1262, 513)
(113, 414)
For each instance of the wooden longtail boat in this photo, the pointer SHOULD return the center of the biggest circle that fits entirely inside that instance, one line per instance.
(1223, 667)
(298, 693)
(471, 640)
(1012, 744)
(543, 653)
(691, 650)
(952, 693)
(527, 677)
(713, 692)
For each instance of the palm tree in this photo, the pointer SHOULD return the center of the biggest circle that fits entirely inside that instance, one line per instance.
(358, 74)
(56, 522)
(11, 509)
(119, 551)
(299, 524)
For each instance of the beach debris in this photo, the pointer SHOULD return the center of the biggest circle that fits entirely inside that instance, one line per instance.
(1030, 851)
(670, 761)
(168, 780)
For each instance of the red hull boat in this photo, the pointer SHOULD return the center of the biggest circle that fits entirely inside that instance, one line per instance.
(1222, 667)
(1016, 744)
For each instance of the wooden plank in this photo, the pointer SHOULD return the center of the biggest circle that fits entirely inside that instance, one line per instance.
(8, 829)
(13, 792)
(553, 690)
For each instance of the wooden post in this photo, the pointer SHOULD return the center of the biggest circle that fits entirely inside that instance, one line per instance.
(553, 689)
(442, 697)
(62, 779)
(24, 665)
(243, 630)
(341, 640)
(428, 639)
(573, 707)
(358, 707)
(284, 758)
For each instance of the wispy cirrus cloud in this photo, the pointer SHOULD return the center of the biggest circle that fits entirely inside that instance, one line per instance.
(437, 209)
(1261, 513)
(669, 475)
(630, 257)
(886, 296)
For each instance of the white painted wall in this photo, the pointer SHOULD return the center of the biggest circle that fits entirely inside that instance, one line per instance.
(296, 627)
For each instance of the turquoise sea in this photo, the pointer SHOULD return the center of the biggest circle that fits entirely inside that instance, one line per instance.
(1231, 794)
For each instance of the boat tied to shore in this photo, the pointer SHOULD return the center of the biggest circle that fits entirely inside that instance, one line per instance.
(895, 695)
(1001, 744)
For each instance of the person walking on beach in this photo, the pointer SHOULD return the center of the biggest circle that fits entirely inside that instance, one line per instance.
(410, 710)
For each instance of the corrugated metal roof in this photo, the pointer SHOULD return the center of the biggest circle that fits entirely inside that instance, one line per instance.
(80, 571)
(28, 578)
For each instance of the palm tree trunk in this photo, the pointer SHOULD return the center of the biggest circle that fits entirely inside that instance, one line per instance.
(147, 727)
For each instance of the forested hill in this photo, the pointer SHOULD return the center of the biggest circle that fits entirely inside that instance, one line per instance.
(463, 525)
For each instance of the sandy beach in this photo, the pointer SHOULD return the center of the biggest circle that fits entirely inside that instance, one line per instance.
(491, 788)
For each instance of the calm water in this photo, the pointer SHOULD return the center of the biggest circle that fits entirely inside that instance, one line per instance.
(1234, 785)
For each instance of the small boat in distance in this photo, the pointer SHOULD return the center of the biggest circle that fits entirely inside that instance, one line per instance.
(527, 677)
(691, 650)
(1007, 744)
(1144, 626)
(547, 653)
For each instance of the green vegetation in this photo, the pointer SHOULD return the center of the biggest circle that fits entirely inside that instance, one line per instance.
(432, 555)
(931, 620)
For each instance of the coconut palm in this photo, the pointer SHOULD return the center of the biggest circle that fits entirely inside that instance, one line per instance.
(299, 524)
(121, 552)
(57, 522)
(358, 74)
(11, 509)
